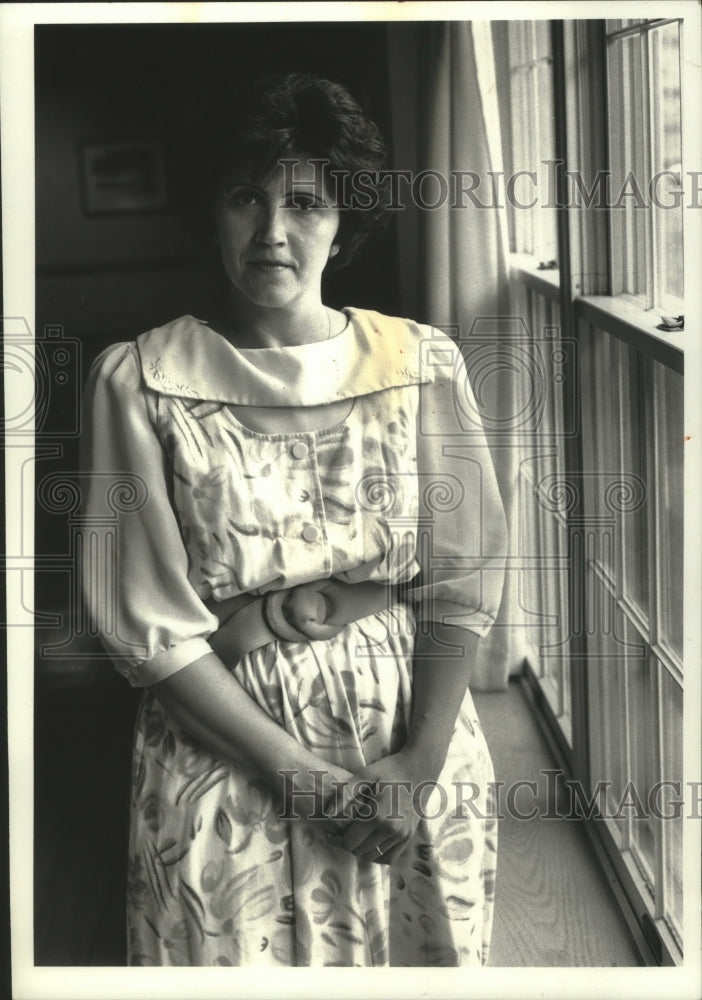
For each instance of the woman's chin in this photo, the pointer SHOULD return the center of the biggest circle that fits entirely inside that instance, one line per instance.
(272, 300)
(275, 290)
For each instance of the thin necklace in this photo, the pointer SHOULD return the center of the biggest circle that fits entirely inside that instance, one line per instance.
(327, 312)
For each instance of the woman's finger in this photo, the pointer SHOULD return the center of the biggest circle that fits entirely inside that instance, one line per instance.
(359, 839)
(393, 853)
(365, 842)
(386, 852)
(305, 608)
(380, 854)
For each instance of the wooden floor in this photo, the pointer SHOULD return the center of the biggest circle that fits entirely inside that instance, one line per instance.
(553, 907)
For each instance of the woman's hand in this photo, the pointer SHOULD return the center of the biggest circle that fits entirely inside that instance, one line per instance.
(385, 815)
(381, 807)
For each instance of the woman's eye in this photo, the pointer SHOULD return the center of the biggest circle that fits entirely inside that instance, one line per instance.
(302, 202)
(241, 198)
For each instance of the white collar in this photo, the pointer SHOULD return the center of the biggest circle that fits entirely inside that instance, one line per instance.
(188, 358)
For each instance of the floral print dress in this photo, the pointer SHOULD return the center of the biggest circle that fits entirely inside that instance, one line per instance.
(402, 490)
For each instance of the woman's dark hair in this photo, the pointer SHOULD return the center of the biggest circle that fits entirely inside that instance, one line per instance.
(278, 116)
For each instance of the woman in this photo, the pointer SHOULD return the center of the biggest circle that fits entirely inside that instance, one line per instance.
(315, 510)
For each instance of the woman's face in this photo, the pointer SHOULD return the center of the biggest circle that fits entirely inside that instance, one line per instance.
(276, 235)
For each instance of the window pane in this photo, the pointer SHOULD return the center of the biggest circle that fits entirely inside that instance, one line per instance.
(519, 43)
(600, 402)
(542, 39)
(643, 764)
(666, 147)
(615, 656)
(554, 637)
(669, 490)
(607, 719)
(632, 431)
(545, 220)
(672, 771)
(626, 137)
(645, 140)
(543, 531)
(613, 442)
(532, 107)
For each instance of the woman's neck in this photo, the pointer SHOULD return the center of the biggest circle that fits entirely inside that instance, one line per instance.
(251, 326)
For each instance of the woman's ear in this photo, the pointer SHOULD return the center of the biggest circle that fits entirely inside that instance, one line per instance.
(334, 250)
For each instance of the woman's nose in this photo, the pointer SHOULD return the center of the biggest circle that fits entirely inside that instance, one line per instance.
(271, 228)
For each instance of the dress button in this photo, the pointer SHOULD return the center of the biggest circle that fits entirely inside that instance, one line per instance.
(310, 533)
(299, 450)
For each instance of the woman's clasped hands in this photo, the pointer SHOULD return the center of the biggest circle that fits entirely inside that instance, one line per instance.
(375, 813)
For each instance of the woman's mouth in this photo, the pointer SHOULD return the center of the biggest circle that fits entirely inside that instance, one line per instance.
(270, 265)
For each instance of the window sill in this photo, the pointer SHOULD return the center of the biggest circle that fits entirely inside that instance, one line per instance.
(614, 315)
(634, 326)
(524, 268)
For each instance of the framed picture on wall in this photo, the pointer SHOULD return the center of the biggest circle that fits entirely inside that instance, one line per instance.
(122, 176)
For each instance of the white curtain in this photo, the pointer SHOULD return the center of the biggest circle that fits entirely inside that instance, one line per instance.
(453, 257)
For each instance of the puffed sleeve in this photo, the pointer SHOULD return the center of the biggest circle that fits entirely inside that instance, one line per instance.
(148, 616)
(462, 540)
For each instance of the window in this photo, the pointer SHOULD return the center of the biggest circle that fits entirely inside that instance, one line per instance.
(602, 528)
(634, 591)
(532, 230)
(529, 160)
(645, 142)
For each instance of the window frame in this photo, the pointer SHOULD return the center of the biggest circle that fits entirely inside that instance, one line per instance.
(582, 289)
(652, 297)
